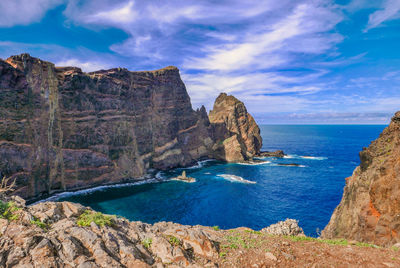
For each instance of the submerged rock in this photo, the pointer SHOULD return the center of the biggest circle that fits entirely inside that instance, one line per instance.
(278, 153)
(289, 165)
(370, 207)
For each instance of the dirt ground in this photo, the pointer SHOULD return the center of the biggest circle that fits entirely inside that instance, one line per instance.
(246, 248)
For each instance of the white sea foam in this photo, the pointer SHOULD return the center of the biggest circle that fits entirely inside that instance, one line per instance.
(207, 173)
(314, 157)
(160, 176)
(251, 163)
(234, 178)
(292, 156)
(283, 165)
(199, 164)
(98, 188)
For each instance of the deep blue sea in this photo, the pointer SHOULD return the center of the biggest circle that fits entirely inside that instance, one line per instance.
(327, 154)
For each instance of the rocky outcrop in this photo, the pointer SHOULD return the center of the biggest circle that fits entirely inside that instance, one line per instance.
(51, 235)
(61, 128)
(61, 235)
(370, 207)
(236, 132)
(289, 227)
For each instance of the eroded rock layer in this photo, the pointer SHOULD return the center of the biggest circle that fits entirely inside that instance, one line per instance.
(370, 207)
(61, 128)
(242, 141)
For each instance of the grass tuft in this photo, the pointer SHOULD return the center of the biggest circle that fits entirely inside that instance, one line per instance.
(100, 219)
(342, 242)
(7, 211)
(147, 242)
(174, 241)
(216, 228)
(40, 224)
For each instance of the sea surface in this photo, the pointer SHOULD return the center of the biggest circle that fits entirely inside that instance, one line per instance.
(253, 195)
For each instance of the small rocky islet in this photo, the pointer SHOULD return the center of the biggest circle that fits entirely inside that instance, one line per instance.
(63, 129)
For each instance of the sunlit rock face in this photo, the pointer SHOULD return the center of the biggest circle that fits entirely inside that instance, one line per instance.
(370, 207)
(235, 129)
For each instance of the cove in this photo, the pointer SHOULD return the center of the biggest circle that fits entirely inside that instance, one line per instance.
(254, 195)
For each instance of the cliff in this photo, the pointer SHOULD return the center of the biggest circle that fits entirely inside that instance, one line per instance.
(370, 207)
(69, 235)
(236, 132)
(63, 129)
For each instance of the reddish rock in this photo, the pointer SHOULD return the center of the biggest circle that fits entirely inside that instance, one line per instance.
(370, 207)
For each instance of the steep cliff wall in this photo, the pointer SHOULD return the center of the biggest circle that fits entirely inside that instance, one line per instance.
(237, 134)
(62, 129)
(370, 207)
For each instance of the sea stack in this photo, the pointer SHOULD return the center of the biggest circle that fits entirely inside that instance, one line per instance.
(370, 207)
(237, 133)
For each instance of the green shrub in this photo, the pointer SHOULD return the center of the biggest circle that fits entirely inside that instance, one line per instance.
(174, 241)
(40, 224)
(87, 217)
(7, 211)
(147, 242)
(216, 228)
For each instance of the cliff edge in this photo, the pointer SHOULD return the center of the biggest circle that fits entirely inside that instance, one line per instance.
(370, 207)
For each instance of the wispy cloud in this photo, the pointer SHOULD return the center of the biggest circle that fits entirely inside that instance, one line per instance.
(23, 12)
(302, 57)
(390, 10)
(87, 66)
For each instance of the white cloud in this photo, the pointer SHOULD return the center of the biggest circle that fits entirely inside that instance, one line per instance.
(301, 32)
(123, 14)
(86, 66)
(390, 10)
(23, 12)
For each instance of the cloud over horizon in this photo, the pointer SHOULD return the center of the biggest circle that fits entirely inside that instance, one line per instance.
(303, 57)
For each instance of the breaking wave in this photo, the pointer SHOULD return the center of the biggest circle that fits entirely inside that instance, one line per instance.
(199, 164)
(254, 163)
(292, 156)
(95, 189)
(234, 178)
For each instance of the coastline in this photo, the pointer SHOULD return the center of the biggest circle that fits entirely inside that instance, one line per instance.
(151, 177)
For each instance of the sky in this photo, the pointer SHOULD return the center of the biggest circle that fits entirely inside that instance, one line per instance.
(290, 62)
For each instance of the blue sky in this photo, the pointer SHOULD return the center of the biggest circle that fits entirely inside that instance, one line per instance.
(314, 61)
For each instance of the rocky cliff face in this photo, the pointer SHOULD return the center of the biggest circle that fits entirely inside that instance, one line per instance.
(370, 207)
(237, 134)
(62, 129)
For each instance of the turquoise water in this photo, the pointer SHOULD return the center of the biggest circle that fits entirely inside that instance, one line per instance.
(308, 193)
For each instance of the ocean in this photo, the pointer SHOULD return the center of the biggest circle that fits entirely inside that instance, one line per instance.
(251, 195)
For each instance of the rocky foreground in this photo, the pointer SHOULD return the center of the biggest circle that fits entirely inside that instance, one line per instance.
(65, 234)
